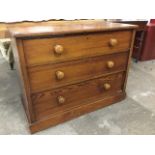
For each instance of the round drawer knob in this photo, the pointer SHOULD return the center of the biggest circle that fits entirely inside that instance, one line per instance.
(113, 42)
(107, 86)
(61, 99)
(110, 64)
(60, 75)
(58, 49)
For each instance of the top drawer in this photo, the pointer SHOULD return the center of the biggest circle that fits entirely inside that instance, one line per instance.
(59, 49)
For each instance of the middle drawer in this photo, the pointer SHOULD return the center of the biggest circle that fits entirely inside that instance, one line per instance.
(53, 76)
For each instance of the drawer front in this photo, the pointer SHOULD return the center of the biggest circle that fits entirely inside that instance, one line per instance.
(50, 102)
(58, 75)
(59, 49)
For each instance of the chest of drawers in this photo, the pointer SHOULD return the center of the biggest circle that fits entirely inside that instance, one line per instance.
(69, 68)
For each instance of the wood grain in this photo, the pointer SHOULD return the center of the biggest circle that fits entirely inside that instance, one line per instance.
(75, 112)
(44, 77)
(23, 78)
(129, 59)
(46, 103)
(41, 51)
(65, 27)
(69, 68)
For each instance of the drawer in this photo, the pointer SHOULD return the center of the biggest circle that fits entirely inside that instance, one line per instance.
(53, 76)
(59, 49)
(59, 100)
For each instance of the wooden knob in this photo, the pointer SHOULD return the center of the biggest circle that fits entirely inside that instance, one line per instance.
(113, 42)
(58, 49)
(61, 100)
(110, 64)
(107, 86)
(60, 75)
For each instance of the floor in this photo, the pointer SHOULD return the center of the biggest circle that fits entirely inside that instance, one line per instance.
(134, 115)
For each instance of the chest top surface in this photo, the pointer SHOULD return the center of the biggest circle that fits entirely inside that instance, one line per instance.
(65, 27)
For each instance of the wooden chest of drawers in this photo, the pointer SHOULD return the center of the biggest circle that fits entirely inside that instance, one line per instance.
(69, 68)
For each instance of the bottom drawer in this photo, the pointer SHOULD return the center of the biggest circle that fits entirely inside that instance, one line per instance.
(59, 100)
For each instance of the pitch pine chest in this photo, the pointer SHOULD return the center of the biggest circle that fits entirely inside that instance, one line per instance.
(69, 68)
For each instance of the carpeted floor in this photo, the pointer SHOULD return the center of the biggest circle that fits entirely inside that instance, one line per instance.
(134, 115)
